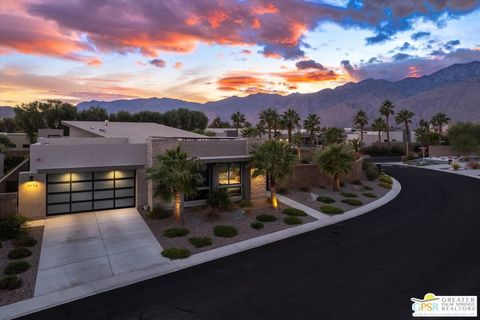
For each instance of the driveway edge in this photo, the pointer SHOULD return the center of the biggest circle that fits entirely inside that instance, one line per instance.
(39, 303)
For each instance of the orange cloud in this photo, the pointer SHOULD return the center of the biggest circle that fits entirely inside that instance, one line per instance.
(301, 76)
(178, 65)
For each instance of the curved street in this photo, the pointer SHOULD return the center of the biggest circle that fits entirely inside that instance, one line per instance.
(425, 240)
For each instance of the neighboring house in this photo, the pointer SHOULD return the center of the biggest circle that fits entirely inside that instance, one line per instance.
(101, 165)
(18, 141)
(224, 132)
(50, 133)
(370, 137)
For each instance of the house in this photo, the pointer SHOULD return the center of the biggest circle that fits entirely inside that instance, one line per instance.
(18, 141)
(370, 137)
(102, 165)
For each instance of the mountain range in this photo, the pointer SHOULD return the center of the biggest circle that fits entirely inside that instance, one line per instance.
(454, 90)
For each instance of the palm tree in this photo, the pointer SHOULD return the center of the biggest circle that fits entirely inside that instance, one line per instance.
(312, 125)
(249, 132)
(290, 121)
(439, 120)
(273, 159)
(361, 120)
(269, 117)
(174, 175)
(238, 119)
(334, 135)
(405, 116)
(334, 160)
(386, 110)
(260, 127)
(379, 125)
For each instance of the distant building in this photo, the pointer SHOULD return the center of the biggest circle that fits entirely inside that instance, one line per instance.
(18, 141)
(370, 137)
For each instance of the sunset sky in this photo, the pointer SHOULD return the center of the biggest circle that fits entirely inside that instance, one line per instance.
(201, 50)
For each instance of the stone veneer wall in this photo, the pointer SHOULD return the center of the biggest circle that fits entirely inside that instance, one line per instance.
(258, 187)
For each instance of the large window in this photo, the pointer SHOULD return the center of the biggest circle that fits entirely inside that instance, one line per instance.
(203, 192)
(230, 178)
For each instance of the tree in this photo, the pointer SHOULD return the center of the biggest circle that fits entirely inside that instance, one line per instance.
(273, 159)
(175, 175)
(270, 118)
(405, 116)
(334, 135)
(238, 119)
(185, 119)
(93, 114)
(361, 120)
(260, 127)
(334, 160)
(249, 132)
(379, 125)
(121, 116)
(8, 125)
(439, 120)
(218, 123)
(386, 110)
(4, 143)
(290, 120)
(464, 137)
(312, 125)
(423, 133)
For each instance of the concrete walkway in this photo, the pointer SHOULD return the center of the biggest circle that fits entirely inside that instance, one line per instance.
(86, 247)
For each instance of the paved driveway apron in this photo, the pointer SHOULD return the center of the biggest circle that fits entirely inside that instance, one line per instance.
(86, 247)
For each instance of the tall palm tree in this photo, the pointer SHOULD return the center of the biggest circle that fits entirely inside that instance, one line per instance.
(175, 174)
(439, 120)
(312, 125)
(379, 125)
(249, 132)
(290, 120)
(334, 135)
(334, 160)
(361, 120)
(273, 159)
(238, 120)
(405, 116)
(269, 117)
(386, 110)
(260, 127)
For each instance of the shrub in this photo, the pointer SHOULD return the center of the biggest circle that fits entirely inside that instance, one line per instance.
(291, 220)
(472, 164)
(176, 253)
(17, 267)
(328, 209)
(219, 200)
(352, 202)
(19, 253)
(305, 189)
(348, 194)
(199, 242)
(325, 199)
(385, 185)
(369, 194)
(12, 226)
(455, 166)
(25, 241)
(266, 218)
(10, 283)
(175, 232)
(370, 170)
(294, 212)
(367, 188)
(256, 225)
(159, 214)
(245, 204)
(385, 179)
(225, 231)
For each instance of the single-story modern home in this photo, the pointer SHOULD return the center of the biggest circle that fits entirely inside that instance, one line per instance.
(102, 165)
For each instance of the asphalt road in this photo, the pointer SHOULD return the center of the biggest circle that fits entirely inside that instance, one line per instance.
(426, 240)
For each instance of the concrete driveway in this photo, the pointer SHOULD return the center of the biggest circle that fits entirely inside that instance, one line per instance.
(86, 247)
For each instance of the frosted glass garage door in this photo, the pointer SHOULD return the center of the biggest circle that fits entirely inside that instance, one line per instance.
(86, 191)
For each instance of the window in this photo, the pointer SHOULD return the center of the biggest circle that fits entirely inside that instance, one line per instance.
(203, 192)
(229, 174)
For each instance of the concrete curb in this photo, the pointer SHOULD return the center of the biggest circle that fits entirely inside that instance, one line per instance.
(463, 173)
(39, 303)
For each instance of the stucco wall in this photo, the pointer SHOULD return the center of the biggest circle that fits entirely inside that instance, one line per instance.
(445, 151)
(32, 195)
(8, 203)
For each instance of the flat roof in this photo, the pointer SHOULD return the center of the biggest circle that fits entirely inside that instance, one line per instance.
(137, 132)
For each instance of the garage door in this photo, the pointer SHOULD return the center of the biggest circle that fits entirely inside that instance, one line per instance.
(89, 191)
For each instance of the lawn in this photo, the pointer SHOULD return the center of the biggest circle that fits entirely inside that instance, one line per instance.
(247, 223)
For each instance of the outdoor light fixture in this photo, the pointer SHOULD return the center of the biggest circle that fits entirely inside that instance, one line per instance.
(30, 178)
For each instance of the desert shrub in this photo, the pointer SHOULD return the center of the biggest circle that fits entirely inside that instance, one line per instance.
(10, 283)
(16, 267)
(384, 151)
(291, 220)
(19, 253)
(266, 218)
(472, 164)
(305, 189)
(294, 212)
(176, 253)
(257, 225)
(371, 171)
(219, 200)
(348, 194)
(455, 165)
(328, 209)
(159, 213)
(282, 190)
(385, 185)
(325, 199)
(175, 232)
(12, 226)
(352, 202)
(369, 194)
(25, 241)
(245, 204)
(225, 231)
(365, 188)
(386, 179)
(199, 242)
